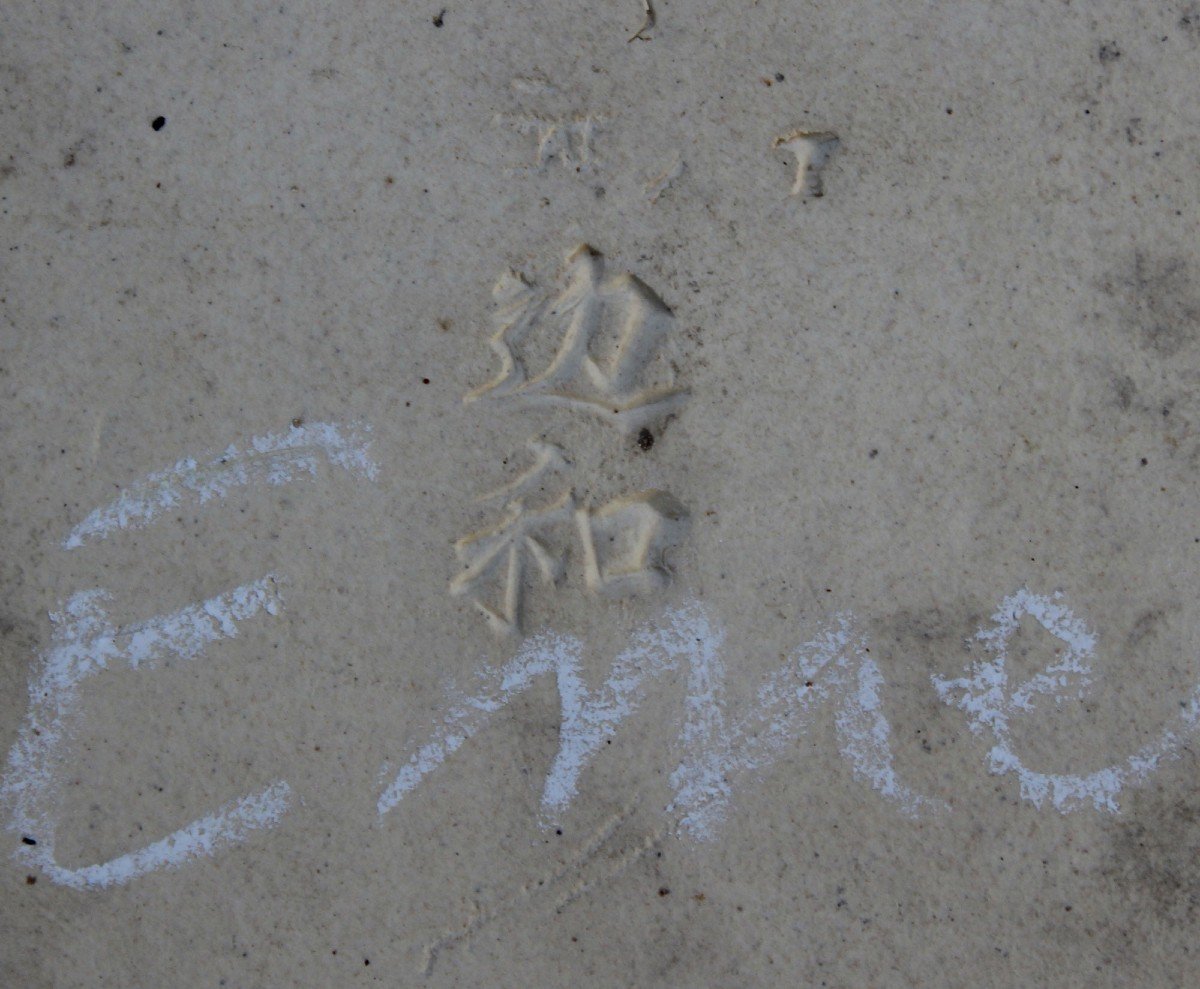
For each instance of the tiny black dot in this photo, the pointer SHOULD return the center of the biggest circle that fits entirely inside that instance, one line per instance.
(30, 880)
(645, 439)
(366, 961)
(424, 381)
(158, 123)
(1144, 461)
(558, 830)
(28, 841)
(664, 891)
(779, 77)
(440, 19)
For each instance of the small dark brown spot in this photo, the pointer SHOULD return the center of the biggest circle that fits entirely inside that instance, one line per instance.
(298, 422)
(30, 880)
(440, 19)
(645, 439)
(663, 891)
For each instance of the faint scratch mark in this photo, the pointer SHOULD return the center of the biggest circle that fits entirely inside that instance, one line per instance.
(594, 845)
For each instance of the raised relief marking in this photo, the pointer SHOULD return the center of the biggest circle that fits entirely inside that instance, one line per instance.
(534, 84)
(664, 180)
(596, 343)
(547, 460)
(811, 150)
(990, 703)
(649, 18)
(567, 140)
(625, 542)
(518, 310)
(610, 333)
(498, 555)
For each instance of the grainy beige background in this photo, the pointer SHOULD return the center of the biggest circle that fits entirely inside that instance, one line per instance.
(998, 293)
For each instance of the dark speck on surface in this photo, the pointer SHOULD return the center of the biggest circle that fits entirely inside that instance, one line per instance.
(645, 439)
(158, 123)
(440, 19)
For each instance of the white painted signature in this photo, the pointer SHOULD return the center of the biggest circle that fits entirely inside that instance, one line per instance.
(832, 670)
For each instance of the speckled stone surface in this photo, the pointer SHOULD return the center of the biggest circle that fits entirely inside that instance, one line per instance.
(888, 316)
